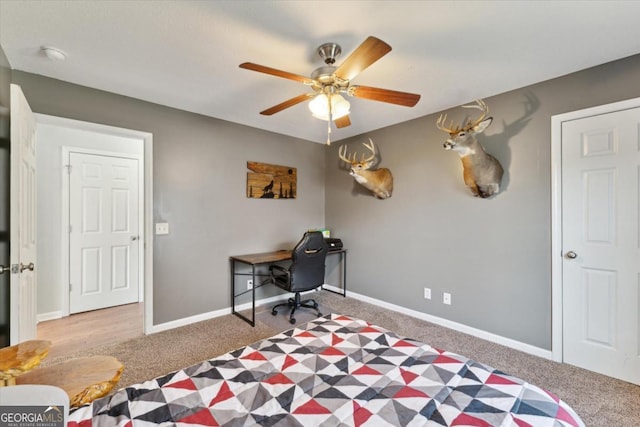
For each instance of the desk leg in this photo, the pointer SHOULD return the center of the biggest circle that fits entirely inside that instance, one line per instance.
(343, 261)
(253, 296)
(251, 321)
(344, 274)
(233, 286)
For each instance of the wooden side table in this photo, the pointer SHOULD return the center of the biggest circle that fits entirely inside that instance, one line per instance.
(84, 379)
(20, 358)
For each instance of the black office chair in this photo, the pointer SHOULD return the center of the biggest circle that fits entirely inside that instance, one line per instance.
(305, 273)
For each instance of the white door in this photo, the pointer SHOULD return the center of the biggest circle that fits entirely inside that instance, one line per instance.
(23, 219)
(601, 240)
(104, 231)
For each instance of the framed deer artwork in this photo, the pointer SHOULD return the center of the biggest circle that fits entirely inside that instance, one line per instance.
(271, 181)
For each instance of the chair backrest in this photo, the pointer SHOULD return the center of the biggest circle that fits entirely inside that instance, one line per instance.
(308, 262)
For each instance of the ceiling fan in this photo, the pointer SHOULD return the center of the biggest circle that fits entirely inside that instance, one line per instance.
(329, 81)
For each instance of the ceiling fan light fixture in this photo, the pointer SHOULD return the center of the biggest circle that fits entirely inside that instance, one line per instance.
(319, 107)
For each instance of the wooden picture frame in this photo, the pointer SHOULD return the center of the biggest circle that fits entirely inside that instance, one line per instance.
(267, 181)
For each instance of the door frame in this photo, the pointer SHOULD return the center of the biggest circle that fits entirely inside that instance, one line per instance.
(146, 260)
(66, 212)
(556, 212)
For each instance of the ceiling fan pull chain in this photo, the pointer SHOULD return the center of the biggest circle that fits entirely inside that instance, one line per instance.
(330, 119)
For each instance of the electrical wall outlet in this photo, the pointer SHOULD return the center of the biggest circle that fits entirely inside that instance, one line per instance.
(446, 298)
(249, 284)
(427, 293)
(162, 228)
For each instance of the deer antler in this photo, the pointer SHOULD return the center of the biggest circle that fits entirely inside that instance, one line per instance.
(440, 125)
(371, 148)
(344, 156)
(351, 158)
(479, 105)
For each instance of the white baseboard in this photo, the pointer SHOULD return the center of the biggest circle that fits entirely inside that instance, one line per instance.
(478, 333)
(211, 315)
(53, 315)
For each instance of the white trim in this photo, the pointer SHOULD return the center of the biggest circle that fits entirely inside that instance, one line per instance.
(212, 314)
(52, 315)
(148, 233)
(146, 212)
(556, 211)
(478, 333)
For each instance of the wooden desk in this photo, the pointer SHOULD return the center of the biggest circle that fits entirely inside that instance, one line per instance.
(253, 260)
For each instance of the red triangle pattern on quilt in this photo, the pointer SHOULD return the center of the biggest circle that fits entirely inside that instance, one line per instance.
(311, 407)
(468, 420)
(186, 384)
(360, 414)
(223, 394)
(288, 361)
(498, 379)
(203, 418)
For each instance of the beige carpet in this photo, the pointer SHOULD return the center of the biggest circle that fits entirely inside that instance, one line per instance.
(280, 321)
(599, 400)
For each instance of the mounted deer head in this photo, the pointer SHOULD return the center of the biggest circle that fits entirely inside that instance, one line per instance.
(378, 181)
(482, 172)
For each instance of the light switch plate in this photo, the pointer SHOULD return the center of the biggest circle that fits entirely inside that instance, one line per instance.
(162, 228)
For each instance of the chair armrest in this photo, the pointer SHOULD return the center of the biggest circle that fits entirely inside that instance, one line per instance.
(277, 271)
(280, 268)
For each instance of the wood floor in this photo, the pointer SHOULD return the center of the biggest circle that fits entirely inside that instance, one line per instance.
(92, 328)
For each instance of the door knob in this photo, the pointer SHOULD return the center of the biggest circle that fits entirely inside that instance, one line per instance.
(24, 267)
(4, 269)
(134, 238)
(571, 255)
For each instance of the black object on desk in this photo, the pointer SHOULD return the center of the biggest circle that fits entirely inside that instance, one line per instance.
(253, 260)
(334, 244)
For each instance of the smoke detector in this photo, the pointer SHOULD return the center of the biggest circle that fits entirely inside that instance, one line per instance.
(53, 53)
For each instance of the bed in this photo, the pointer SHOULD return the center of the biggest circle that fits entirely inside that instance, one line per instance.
(333, 371)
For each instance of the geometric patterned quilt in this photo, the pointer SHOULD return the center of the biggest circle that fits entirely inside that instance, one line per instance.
(333, 371)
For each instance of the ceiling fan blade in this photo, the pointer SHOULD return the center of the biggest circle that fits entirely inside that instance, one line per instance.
(343, 122)
(286, 104)
(278, 73)
(384, 95)
(366, 54)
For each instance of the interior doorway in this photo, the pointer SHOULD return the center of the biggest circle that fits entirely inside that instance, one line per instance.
(57, 138)
(596, 247)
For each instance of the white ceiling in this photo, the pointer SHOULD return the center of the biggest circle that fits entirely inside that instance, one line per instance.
(185, 54)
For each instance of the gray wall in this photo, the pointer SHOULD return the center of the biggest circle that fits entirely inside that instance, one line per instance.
(492, 255)
(5, 81)
(199, 174)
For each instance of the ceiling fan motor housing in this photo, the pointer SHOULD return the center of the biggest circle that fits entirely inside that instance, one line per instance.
(329, 52)
(324, 74)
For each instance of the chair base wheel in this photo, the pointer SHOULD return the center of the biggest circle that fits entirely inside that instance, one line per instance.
(294, 304)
